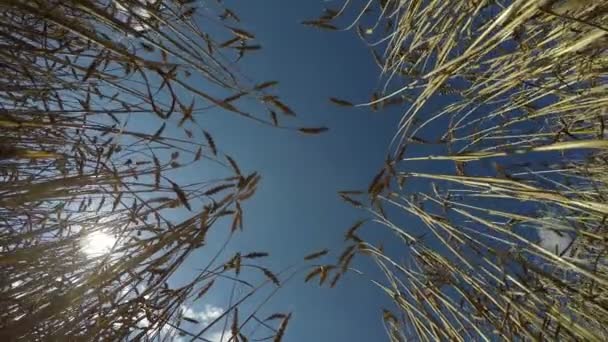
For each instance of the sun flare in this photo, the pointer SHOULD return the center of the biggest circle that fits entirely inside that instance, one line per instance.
(98, 243)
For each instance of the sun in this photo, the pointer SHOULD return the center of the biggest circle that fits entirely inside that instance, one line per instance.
(97, 243)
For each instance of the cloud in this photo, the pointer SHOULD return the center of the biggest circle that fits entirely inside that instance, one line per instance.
(554, 241)
(124, 14)
(217, 337)
(205, 316)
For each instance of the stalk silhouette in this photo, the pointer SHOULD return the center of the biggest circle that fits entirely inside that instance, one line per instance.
(80, 81)
(510, 239)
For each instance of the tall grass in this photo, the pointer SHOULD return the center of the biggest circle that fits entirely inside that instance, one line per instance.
(510, 235)
(80, 81)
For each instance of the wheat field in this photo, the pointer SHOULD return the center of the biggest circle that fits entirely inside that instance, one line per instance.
(513, 244)
(494, 187)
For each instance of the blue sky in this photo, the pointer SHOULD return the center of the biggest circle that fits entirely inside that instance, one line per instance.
(296, 209)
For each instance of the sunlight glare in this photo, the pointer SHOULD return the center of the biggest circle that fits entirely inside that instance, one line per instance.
(98, 243)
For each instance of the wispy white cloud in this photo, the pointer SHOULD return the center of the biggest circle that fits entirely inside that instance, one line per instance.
(133, 12)
(205, 316)
(554, 241)
(217, 337)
